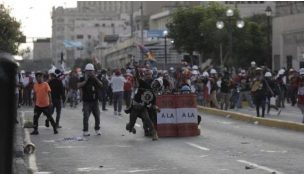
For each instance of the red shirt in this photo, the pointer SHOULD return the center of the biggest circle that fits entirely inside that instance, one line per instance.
(129, 84)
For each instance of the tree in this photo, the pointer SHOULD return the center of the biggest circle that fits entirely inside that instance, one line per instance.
(194, 29)
(10, 34)
(184, 28)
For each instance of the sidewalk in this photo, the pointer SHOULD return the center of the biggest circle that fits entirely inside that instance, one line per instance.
(289, 118)
(19, 158)
(289, 113)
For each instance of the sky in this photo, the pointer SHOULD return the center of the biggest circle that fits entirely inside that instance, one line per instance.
(35, 15)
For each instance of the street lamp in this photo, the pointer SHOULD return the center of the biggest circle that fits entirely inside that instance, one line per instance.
(165, 33)
(220, 25)
(268, 13)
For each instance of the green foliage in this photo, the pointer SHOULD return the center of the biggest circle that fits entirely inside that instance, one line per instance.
(194, 29)
(10, 34)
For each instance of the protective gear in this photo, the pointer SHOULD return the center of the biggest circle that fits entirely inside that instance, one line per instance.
(57, 72)
(195, 72)
(195, 67)
(157, 85)
(253, 63)
(301, 71)
(205, 74)
(185, 88)
(268, 74)
(51, 71)
(171, 69)
(22, 72)
(89, 67)
(258, 69)
(281, 72)
(213, 71)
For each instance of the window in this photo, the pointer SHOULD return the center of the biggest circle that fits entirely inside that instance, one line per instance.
(96, 25)
(79, 36)
(103, 25)
(89, 36)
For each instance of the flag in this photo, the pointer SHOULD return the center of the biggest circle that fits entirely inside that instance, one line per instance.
(148, 53)
(72, 44)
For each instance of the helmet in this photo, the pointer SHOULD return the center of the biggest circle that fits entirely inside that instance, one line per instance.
(195, 72)
(268, 74)
(89, 67)
(258, 69)
(185, 88)
(281, 72)
(51, 71)
(205, 74)
(301, 71)
(22, 72)
(212, 71)
(195, 67)
(171, 69)
(253, 63)
(157, 84)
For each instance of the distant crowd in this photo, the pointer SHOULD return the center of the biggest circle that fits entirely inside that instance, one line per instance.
(218, 88)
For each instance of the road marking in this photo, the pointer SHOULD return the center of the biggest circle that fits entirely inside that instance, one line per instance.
(139, 170)
(43, 172)
(137, 125)
(197, 146)
(273, 151)
(260, 167)
(203, 156)
(69, 147)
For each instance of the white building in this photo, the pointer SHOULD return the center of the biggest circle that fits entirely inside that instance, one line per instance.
(87, 22)
(288, 35)
(42, 49)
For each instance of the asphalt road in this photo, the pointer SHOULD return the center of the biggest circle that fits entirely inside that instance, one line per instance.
(225, 146)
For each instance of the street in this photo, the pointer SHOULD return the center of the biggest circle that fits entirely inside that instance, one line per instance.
(224, 146)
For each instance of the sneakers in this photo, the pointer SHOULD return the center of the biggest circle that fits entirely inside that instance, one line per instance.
(55, 131)
(119, 113)
(97, 132)
(86, 133)
(115, 112)
(154, 136)
(47, 124)
(279, 112)
(128, 129)
(35, 132)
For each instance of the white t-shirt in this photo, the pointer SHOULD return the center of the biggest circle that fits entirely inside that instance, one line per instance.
(117, 83)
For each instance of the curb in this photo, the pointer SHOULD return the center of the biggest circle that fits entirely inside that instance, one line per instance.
(252, 119)
(30, 155)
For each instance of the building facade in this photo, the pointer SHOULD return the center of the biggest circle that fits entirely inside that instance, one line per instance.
(42, 49)
(88, 23)
(288, 35)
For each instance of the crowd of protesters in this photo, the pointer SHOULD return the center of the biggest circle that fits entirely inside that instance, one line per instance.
(219, 88)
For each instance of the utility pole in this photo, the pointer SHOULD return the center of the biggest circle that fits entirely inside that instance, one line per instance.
(131, 19)
(141, 27)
